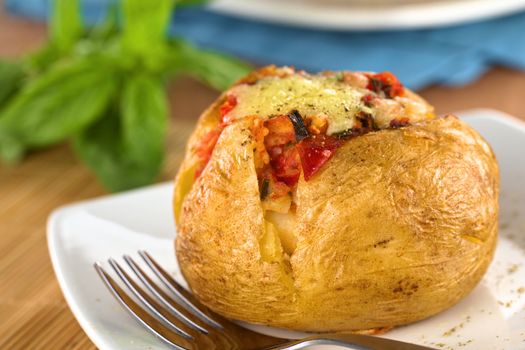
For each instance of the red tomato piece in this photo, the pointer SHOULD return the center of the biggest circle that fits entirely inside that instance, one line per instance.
(280, 143)
(205, 149)
(387, 83)
(368, 99)
(399, 122)
(227, 106)
(286, 164)
(315, 151)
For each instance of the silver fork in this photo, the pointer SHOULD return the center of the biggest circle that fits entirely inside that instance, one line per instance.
(182, 322)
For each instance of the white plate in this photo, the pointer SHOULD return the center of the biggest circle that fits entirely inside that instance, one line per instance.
(491, 317)
(365, 15)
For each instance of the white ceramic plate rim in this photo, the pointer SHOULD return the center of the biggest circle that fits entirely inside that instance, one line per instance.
(59, 262)
(358, 17)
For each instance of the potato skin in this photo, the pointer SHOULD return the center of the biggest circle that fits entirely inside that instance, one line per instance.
(399, 225)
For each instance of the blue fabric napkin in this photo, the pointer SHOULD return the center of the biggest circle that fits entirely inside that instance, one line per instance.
(452, 56)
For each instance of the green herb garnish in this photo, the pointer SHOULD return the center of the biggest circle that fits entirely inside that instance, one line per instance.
(104, 88)
(265, 189)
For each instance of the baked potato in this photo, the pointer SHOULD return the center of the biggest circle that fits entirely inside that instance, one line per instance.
(333, 202)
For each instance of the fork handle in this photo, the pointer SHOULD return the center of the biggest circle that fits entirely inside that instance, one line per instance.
(352, 341)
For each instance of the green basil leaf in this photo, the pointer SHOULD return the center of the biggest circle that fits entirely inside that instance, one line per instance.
(100, 147)
(218, 70)
(144, 118)
(57, 104)
(145, 24)
(108, 28)
(126, 147)
(43, 58)
(11, 77)
(66, 24)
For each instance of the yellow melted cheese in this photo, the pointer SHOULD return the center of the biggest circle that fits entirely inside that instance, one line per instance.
(311, 96)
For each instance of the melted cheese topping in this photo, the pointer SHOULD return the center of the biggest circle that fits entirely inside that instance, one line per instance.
(340, 102)
(311, 96)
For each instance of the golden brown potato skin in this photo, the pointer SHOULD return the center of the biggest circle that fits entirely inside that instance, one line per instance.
(399, 225)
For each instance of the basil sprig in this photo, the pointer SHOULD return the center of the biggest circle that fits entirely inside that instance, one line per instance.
(104, 88)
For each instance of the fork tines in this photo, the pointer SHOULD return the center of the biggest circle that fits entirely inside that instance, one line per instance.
(170, 313)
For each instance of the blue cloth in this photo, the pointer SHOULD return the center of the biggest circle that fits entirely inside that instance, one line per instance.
(452, 56)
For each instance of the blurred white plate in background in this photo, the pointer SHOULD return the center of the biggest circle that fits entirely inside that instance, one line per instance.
(491, 317)
(368, 14)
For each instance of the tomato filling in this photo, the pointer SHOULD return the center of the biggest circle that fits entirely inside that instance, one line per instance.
(209, 140)
(280, 143)
(385, 83)
(315, 151)
(205, 149)
(291, 145)
(399, 123)
(227, 106)
(286, 145)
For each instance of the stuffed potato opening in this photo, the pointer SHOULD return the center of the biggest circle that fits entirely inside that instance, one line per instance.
(300, 120)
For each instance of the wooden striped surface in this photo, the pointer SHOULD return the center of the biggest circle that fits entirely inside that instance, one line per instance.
(33, 313)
